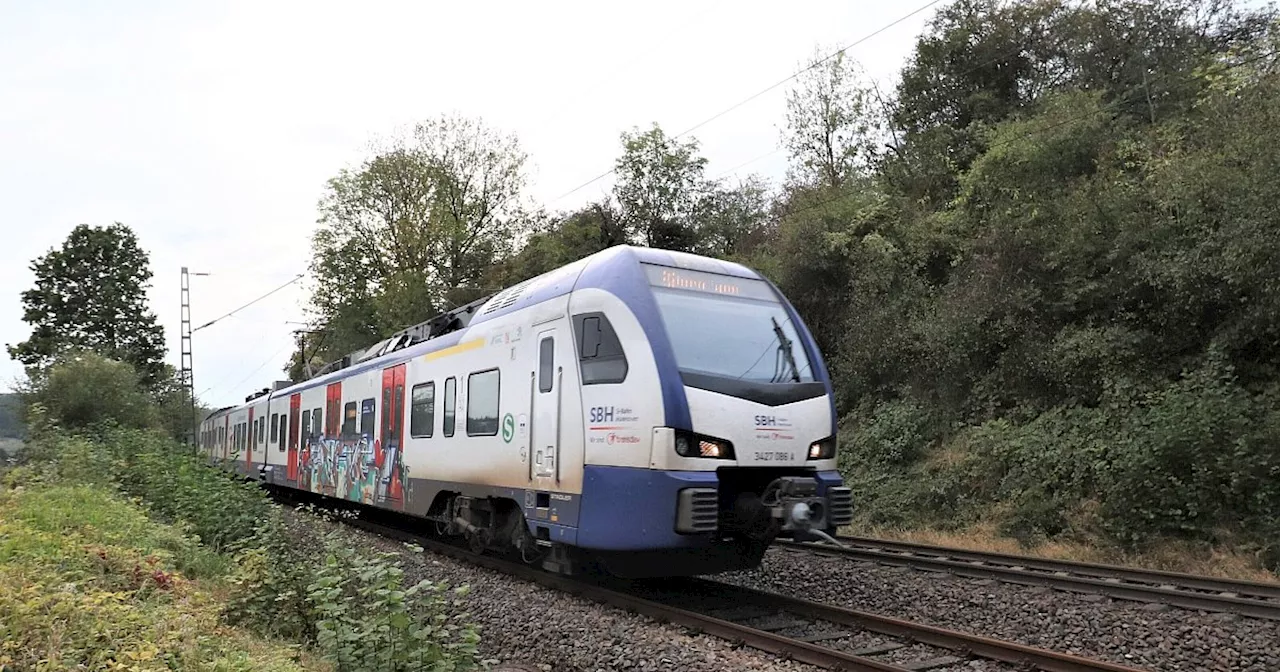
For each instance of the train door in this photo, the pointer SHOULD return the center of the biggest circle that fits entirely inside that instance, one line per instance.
(226, 438)
(248, 447)
(545, 415)
(295, 408)
(333, 410)
(390, 489)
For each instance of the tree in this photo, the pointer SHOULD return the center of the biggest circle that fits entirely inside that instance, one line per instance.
(91, 294)
(660, 183)
(734, 221)
(834, 125)
(412, 231)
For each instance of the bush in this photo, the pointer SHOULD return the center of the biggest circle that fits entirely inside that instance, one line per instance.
(84, 390)
(220, 508)
(1195, 459)
(350, 603)
(368, 620)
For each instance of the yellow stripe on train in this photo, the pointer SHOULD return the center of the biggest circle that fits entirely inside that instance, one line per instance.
(454, 349)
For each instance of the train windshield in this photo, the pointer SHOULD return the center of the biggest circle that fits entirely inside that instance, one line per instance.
(728, 327)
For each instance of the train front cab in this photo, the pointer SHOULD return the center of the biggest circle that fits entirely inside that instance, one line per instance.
(708, 416)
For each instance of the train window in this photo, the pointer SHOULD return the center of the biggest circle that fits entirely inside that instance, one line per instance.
(546, 363)
(600, 355)
(349, 419)
(317, 427)
(275, 427)
(450, 391)
(306, 426)
(422, 412)
(262, 429)
(366, 417)
(482, 403)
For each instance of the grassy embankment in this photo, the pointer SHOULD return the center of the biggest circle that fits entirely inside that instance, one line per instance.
(120, 552)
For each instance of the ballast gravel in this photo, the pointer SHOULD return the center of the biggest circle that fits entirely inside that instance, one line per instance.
(1128, 633)
(524, 626)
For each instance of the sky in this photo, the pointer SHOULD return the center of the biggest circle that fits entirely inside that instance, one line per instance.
(210, 128)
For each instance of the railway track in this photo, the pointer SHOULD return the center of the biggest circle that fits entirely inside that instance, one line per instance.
(823, 635)
(1188, 591)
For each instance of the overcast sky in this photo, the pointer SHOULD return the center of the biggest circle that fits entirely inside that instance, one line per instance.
(210, 128)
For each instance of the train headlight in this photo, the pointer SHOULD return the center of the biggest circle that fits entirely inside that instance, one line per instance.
(824, 449)
(689, 444)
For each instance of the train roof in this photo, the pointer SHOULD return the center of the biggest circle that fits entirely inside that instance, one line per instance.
(446, 330)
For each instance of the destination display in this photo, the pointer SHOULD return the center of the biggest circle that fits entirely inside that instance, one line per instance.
(709, 283)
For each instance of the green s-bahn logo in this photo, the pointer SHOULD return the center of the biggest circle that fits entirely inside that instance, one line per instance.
(508, 427)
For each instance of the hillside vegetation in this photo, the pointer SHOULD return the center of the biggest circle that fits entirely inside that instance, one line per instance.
(120, 549)
(1042, 267)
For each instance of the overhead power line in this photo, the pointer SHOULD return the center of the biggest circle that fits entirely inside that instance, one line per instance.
(765, 90)
(215, 320)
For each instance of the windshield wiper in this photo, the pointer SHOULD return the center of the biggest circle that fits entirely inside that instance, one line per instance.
(784, 349)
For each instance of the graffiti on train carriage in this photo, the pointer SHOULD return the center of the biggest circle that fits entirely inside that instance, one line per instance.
(358, 469)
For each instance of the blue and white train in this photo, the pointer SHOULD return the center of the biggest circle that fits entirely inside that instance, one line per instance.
(654, 412)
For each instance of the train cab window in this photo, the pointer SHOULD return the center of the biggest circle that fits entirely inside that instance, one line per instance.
(262, 429)
(366, 417)
(317, 427)
(482, 403)
(422, 411)
(306, 426)
(349, 419)
(450, 391)
(600, 355)
(275, 427)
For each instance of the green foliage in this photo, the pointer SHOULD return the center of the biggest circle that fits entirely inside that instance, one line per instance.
(217, 507)
(660, 182)
(368, 619)
(1051, 303)
(88, 581)
(411, 232)
(81, 390)
(91, 295)
(351, 603)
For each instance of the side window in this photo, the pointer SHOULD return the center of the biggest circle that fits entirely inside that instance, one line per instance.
(422, 412)
(306, 426)
(262, 429)
(546, 363)
(482, 403)
(275, 427)
(317, 427)
(366, 417)
(600, 355)
(450, 390)
(349, 419)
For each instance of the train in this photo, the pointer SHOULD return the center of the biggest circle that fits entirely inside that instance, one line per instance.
(641, 412)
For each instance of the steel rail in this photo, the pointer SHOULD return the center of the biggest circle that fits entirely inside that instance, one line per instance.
(1188, 591)
(795, 649)
(983, 647)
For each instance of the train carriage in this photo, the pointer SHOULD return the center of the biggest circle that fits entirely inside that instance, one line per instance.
(655, 412)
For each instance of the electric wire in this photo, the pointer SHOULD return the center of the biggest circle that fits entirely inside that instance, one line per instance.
(296, 278)
(765, 90)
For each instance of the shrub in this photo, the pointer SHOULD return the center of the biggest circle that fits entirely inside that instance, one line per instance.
(350, 603)
(368, 620)
(84, 390)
